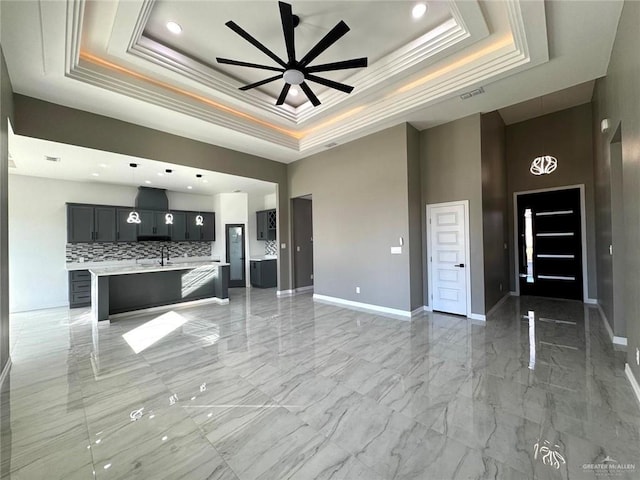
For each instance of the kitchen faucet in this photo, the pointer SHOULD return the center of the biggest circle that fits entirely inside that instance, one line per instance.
(162, 254)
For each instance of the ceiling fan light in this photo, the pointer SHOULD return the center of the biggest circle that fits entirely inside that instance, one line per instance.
(419, 10)
(293, 76)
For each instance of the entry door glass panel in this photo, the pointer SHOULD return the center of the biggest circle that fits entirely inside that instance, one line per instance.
(550, 244)
(235, 255)
(448, 259)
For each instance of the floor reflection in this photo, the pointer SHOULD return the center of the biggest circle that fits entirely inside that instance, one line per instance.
(287, 388)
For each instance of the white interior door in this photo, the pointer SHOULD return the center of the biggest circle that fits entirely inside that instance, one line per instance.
(448, 258)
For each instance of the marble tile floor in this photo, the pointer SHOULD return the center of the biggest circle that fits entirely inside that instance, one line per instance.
(276, 389)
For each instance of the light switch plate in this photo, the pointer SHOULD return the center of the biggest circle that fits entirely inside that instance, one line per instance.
(283, 246)
(396, 250)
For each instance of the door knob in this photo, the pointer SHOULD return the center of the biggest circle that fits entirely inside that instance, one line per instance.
(460, 265)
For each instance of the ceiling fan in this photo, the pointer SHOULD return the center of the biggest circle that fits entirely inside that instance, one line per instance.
(293, 71)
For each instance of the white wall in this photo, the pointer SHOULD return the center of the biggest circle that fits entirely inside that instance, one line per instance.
(38, 233)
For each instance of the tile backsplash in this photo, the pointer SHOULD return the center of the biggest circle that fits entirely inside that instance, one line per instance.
(271, 247)
(104, 252)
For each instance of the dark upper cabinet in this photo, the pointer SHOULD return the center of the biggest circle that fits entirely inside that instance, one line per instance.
(153, 224)
(89, 223)
(266, 222)
(146, 227)
(125, 232)
(179, 227)
(193, 229)
(104, 224)
(79, 223)
(208, 228)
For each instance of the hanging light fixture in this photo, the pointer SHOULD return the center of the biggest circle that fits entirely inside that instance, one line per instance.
(199, 221)
(168, 219)
(544, 164)
(134, 217)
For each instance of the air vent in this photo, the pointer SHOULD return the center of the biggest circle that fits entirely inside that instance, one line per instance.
(52, 159)
(331, 145)
(472, 93)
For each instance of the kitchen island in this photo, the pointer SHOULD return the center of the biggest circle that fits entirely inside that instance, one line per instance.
(120, 289)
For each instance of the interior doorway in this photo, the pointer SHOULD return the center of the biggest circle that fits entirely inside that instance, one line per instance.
(302, 209)
(234, 238)
(550, 243)
(449, 274)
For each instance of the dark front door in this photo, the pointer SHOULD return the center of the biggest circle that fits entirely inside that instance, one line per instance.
(550, 244)
(234, 235)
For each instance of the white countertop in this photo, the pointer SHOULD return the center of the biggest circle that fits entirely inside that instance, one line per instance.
(129, 269)
(263, 257)
(134, 262)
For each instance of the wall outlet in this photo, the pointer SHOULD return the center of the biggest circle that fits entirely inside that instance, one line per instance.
(396, 250)
(81, 259)
(610, 249)
(283, 246)
(312, 276)
(637, 356)
(357, 289)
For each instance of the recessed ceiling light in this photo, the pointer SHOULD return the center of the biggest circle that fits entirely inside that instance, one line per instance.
(419, 10)
(160, 174)
(103, 165)
(95, 174)
(133, 165)
(293, 91)
(168, 170)
(148, 182)
(189, 187)
(174, 27)
(205, 181)
(198, 175)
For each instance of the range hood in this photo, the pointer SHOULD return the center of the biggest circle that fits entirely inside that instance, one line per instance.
(151, 199)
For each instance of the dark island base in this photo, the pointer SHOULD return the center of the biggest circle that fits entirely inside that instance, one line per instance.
(138, 291)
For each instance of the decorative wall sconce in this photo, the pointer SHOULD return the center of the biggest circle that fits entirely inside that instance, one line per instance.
(543, 165)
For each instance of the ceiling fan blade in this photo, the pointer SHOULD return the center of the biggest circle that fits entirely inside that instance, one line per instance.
(329, 39)
(261, 82)
(286, 15)
(240, 31)
(283, 94)
(330, 83)
(310, 95)
(326, 67)
(247, 64)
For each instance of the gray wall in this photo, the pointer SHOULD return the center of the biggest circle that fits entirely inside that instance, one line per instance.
(451, 170)
(360, 209)
(39, 119)
(618, 98)
(302, 230)
(6, 114)
(567, 135)
(416, 217)
(494, 209)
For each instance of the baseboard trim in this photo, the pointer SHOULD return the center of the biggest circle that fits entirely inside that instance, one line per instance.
(498, 304)
(174, 306)
(591, 301)
(616, 340)
(363, 306)
(632, 380)
(284, 293)
(417, 311)
(478, 316)
(514, 294)
(427, 308)
(5, 371)
(308, 288)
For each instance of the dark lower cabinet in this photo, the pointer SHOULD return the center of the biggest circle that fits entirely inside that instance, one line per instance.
(263, 273)
(79, 288)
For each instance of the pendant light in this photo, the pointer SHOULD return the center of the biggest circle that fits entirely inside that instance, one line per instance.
(543, 164)
(134, 217)
(199, 221)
